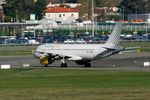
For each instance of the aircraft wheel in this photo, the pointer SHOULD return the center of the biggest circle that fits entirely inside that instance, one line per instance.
(87, 65)
(45, 65)
(64, 65)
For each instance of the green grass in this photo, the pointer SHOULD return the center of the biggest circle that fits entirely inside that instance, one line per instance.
(17, 50)
(69, 84)
(145, 46)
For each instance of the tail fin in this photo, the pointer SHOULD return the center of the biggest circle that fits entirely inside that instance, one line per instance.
(114, 38)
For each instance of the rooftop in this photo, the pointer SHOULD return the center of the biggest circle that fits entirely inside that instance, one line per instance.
(60, 10)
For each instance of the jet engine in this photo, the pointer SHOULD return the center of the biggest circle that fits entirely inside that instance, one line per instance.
(80, 62)
(44, 60)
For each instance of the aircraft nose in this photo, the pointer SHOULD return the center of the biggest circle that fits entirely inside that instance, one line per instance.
(36, 54)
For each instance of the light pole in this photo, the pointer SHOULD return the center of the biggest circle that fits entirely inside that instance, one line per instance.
(17, 17)
(123, 13)
(147, 17)
(93, 27)
(136, 12)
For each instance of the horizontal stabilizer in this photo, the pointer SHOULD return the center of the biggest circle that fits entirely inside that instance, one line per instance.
(131, 49)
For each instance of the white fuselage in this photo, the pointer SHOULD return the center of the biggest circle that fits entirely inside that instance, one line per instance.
(80, 53)
(85, 51)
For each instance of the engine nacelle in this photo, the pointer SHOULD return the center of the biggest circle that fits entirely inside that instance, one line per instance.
(45, 60)
(80, 62)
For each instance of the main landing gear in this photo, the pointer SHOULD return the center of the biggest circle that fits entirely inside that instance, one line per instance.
(45, 65)
(87, 65)
(63, 63)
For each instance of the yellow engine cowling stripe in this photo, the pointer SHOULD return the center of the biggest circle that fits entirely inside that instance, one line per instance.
(44, 60)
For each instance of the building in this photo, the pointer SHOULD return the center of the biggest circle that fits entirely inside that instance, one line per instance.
(139, 18)
(60, 14)
(103, 13)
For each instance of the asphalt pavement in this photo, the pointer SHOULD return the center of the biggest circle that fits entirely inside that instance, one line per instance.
(125, 61)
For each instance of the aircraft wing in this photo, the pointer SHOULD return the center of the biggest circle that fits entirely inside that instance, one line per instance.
(73, 57)
(131, 49)
(67, 57)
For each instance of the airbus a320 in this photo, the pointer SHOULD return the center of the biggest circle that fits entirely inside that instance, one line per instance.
(82, 54)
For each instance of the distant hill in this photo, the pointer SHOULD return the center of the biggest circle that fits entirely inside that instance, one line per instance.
(1, 1)
(65, 1)
(87, 4)
(110, 3)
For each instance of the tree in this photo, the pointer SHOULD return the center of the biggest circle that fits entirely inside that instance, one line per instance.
(40, 6)
(70, 1)
(98, 3)
(135, 6)
(26, 8)
(10, 9)
(19, 10)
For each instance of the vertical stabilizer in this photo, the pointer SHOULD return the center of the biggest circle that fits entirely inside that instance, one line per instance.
(114, 38)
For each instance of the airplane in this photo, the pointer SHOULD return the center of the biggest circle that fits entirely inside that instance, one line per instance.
(82, 54)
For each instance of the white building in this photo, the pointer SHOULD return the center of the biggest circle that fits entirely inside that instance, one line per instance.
(61, 14)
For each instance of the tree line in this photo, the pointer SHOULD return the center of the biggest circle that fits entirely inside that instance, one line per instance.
(20, 10)
(135, 6)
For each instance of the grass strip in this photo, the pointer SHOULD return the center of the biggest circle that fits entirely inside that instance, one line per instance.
(69, 84)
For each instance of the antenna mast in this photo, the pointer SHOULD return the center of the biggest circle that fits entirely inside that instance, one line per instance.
(93, 27)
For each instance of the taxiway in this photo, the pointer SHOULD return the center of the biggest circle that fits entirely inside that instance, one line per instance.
(130, 60)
